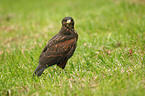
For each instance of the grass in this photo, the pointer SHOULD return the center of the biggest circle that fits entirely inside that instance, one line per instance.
(110, 56)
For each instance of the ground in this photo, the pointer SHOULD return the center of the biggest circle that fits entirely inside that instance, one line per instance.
(110, 55)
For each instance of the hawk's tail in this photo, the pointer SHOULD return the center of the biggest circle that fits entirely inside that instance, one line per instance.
(39, 70)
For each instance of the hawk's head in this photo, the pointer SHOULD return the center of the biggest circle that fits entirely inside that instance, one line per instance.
(68, 22)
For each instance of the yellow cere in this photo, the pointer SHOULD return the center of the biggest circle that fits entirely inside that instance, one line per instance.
(68, 21)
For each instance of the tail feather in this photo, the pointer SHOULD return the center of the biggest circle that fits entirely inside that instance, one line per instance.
(39, 70)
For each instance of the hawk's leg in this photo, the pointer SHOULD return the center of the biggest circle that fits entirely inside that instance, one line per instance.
(62, 64)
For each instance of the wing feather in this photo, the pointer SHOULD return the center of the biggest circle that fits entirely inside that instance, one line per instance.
(57, 52)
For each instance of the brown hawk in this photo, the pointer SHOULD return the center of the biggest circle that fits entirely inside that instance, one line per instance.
(59, 48)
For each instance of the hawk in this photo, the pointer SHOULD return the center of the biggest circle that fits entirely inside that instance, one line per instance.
(59, 48)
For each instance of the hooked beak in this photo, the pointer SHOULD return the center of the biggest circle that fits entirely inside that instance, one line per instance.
(68, 21)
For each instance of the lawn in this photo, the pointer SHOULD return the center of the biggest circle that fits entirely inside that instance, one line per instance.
(110, 55)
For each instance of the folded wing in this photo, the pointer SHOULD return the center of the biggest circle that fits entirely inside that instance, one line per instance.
(57, 53)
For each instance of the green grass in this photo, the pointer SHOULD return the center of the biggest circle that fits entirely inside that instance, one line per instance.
(103, 63)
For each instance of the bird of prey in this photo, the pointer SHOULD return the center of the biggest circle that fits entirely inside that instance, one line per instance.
(59, 48)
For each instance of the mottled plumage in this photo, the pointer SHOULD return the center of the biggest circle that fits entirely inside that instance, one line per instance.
(59, 48)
